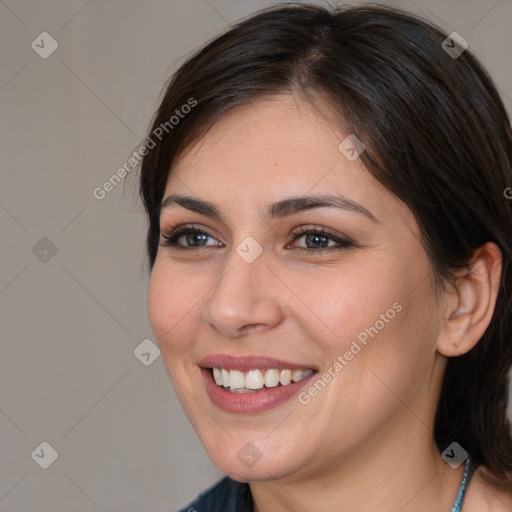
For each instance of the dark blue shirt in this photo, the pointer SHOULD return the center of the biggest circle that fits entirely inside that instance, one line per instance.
(226, 496)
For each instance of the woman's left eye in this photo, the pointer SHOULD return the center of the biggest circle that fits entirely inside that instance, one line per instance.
(318, 239)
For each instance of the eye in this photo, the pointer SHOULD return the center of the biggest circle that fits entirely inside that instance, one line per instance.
(193, 237)
(319, 240)
(316, 240)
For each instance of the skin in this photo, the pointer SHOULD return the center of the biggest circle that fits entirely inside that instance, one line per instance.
(365, 442)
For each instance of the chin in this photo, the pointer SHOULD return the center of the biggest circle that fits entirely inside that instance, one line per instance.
(250, 464)
(260, 471)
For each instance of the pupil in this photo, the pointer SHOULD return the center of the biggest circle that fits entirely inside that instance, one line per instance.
(198, 238)
(318, 239)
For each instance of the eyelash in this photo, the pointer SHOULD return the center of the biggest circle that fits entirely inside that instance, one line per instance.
(170, 239)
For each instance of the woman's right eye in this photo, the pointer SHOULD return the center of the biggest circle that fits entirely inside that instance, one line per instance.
(184, 238)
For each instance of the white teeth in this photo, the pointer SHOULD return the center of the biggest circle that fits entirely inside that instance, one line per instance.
(296, 375)
(285, 377)
(272, 378)
(217, 375)
(254, 380)
(236, 379)
(243, 390)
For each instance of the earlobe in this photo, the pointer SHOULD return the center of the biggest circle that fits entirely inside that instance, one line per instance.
(471, 302)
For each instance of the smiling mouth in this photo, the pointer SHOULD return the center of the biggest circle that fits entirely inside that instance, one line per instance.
(256, 380)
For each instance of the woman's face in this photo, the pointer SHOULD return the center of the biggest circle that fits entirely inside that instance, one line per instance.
(254, 297)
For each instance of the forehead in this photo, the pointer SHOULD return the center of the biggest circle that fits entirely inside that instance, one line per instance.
(270, 149)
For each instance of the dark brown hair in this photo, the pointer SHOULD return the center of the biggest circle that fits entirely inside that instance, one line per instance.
(437, 136)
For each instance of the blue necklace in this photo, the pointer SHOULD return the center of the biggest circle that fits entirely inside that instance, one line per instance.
(468, 473)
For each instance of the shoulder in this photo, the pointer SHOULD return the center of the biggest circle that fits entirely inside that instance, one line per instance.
(482, 496)
(227, 495)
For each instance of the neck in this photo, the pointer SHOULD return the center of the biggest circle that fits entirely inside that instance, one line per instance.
(410, 476)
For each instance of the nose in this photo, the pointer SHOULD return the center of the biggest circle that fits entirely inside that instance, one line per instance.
(244, 299)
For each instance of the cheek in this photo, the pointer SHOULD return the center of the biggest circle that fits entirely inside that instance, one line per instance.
(171, 301)
(368, 324)
(346, 303)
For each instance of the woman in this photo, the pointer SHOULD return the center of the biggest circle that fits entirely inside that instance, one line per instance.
(330, 254)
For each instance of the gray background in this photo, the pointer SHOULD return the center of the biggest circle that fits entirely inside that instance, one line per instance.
(72, 320)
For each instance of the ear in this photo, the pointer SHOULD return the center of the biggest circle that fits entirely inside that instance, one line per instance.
(471, 302)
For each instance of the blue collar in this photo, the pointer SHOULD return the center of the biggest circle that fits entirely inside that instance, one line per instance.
(468, 473)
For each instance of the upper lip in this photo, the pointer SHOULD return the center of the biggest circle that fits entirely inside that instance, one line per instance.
(246, 363)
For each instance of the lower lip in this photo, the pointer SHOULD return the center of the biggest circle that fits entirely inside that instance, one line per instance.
(267, 398)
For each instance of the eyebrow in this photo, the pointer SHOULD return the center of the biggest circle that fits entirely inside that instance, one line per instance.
(280, 209)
